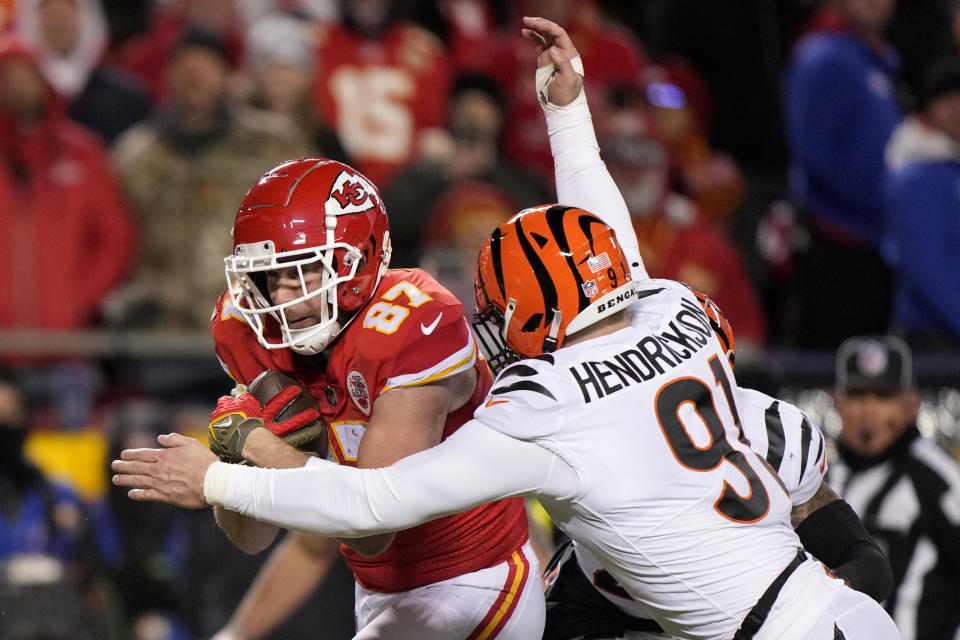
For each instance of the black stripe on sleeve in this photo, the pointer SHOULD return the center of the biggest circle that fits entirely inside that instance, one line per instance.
(806, 432)
(775, 436)
(518, 370)
(524, 385)
(819, 449)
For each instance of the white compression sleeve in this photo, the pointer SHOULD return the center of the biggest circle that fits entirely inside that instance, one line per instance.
(583, 180)
(473, 466)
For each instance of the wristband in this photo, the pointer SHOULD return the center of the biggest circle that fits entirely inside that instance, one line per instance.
(544, 74)
(215, 483)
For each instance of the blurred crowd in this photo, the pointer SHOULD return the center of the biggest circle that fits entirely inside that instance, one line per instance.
(799, 162)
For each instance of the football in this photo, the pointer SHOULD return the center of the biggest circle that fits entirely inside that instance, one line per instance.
(311, 438)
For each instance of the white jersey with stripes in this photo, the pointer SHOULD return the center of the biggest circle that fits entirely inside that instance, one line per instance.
(780, 433)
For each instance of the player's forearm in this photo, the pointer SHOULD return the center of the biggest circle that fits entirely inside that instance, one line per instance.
(264, 449)
(293, 571)
(321, 498)
(247, 534)
(583, 180)
(474, 466)
(834, 534)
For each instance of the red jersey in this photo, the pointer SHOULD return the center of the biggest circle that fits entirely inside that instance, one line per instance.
(380, 93)
(411, 332)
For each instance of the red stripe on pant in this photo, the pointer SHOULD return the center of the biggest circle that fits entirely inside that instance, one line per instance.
(506, 603)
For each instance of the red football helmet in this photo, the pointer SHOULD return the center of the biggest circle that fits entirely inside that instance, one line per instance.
(313, 213)
(544, 274)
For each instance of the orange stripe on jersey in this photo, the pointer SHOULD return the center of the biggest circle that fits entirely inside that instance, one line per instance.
(506, 602)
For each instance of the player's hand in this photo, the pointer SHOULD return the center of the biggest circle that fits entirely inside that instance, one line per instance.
(231, 423)
(554, 47)
(290, 411)
(173, 474)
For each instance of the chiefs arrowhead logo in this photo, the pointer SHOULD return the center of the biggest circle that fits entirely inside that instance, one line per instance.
(351, 193)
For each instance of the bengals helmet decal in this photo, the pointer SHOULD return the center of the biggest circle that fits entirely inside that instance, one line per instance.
(546, 273)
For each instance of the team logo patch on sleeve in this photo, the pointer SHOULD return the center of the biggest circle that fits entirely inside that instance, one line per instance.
(357, 388)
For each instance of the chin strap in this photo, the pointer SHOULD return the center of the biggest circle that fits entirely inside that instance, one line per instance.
(550, 343)
(507, 317)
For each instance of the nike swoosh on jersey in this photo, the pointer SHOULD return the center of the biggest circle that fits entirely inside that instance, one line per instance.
(428, 329)
(492, 402)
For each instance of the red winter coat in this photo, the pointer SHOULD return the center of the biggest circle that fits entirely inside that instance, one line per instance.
(66, 238)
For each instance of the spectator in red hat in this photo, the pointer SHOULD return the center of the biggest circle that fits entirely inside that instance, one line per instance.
(68, 237)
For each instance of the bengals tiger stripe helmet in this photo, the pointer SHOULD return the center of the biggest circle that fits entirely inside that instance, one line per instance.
(719, 323)
(317, 216)
(546, 273)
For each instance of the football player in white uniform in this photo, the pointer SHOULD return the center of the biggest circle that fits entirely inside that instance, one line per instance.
(583, 599)
(614, 404)
(776, 430)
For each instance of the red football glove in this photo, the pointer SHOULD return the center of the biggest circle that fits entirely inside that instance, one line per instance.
(276, 409)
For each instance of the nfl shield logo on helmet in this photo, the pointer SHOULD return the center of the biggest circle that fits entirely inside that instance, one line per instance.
(357, 388)
(590, 288)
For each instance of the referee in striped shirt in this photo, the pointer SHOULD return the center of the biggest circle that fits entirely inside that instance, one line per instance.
(905, 489)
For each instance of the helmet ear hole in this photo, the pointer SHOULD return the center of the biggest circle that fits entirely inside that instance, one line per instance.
(532, 323)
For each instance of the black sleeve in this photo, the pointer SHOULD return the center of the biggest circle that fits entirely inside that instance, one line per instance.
(834, 534)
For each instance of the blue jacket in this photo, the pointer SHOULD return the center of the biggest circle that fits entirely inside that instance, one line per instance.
(922, 240)
(840, 110)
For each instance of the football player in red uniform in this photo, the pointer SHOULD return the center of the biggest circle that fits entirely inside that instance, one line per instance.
(394, 367)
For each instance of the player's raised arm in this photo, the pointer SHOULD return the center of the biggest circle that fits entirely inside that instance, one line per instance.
(582, 177)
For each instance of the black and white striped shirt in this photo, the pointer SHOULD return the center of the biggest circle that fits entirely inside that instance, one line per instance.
(909, 500)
